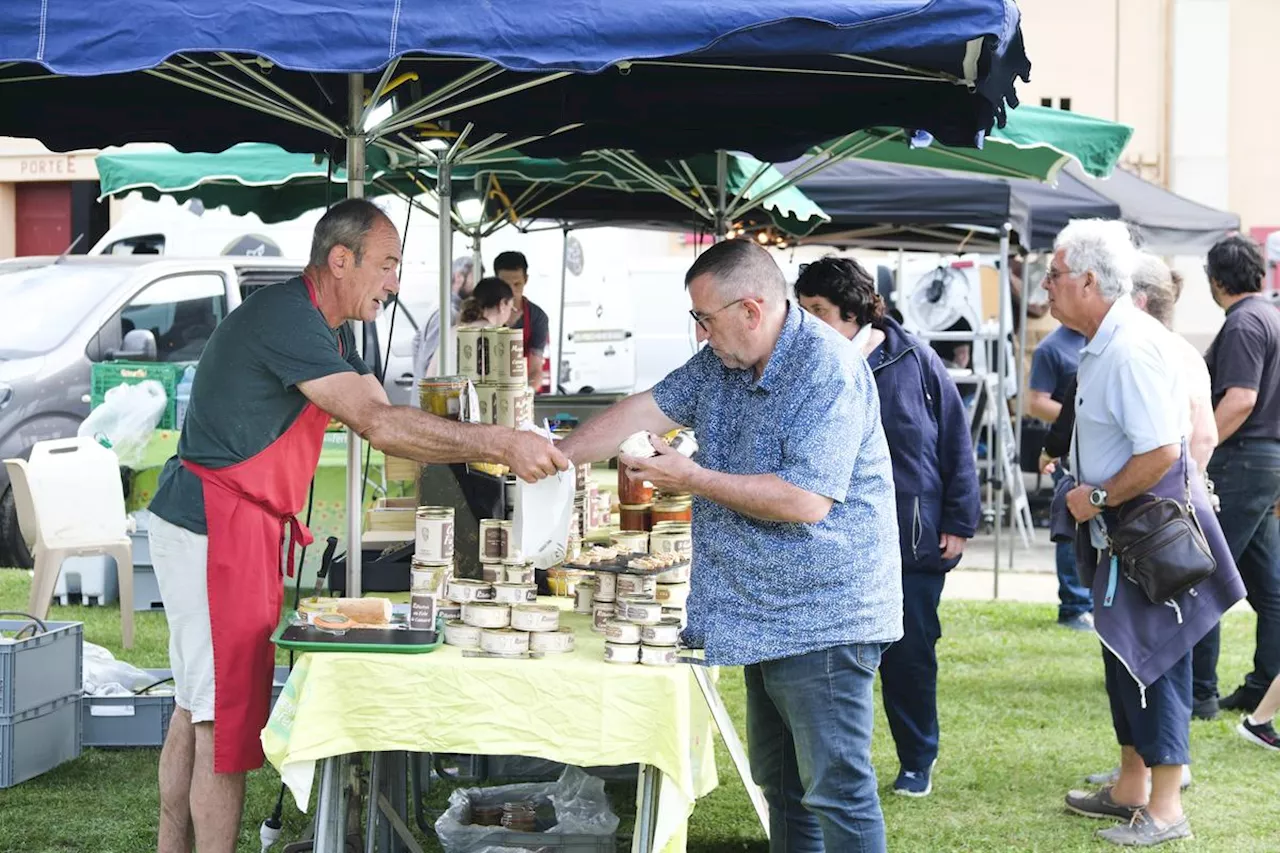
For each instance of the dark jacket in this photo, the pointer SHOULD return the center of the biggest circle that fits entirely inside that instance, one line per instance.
(928, 431)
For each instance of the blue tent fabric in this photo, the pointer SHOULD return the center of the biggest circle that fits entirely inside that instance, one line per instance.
(701, 93)
(327, 36)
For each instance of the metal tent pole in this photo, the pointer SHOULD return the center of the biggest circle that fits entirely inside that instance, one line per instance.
(1000, 407)
(355, 473)
(721, 224)
(564, 285)
(1022, 381)
(444, 190)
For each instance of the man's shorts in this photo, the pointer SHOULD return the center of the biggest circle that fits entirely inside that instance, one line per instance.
(180, 558)
(1157, 722)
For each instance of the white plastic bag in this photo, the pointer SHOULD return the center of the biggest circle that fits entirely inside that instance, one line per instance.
(540, 521)
(127, 416)
(106, 676)
(580, 803)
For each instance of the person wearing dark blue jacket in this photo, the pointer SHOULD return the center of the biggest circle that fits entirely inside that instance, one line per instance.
(936, 483)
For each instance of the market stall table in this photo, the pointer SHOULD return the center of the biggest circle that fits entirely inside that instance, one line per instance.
(572, 708)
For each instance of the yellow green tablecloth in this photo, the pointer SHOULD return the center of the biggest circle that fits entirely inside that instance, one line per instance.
(574, 709)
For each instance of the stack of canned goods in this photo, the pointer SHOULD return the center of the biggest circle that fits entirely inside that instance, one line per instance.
(640, 507)
(493, 359)
(640, 631)
(432, 564)
(505, 619)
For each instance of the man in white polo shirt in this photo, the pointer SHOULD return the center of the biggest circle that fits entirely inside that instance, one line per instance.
(1131, 417)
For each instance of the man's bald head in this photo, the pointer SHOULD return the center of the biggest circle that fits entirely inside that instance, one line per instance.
(740, 269)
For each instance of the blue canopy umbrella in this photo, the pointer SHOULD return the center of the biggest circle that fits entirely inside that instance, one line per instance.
(662, 77)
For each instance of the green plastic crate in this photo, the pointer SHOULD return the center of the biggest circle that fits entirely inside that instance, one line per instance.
(109, 374)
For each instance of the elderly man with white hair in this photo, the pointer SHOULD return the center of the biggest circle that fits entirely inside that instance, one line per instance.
(1130, 443)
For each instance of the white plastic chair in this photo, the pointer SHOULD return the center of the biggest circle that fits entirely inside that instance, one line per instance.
(70, 503)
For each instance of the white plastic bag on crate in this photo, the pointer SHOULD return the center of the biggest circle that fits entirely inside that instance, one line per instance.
(540, 522)
(581, 807)
(106, 676)
(127, 416)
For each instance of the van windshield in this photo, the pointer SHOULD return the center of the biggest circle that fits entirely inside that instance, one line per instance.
(43, 305)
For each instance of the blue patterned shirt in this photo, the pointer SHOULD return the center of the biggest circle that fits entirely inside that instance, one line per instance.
(765, 590)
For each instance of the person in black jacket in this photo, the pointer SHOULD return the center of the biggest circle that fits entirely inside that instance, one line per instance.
(936, 482)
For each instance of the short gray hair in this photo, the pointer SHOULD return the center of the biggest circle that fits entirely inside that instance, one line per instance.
(347, 223)
(1153, 279)
(1102, 247)
(741, 268)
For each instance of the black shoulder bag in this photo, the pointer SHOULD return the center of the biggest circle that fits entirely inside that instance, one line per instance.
(1159, 544)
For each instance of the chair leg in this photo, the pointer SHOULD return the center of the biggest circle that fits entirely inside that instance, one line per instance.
(48, 562)
(123, 555)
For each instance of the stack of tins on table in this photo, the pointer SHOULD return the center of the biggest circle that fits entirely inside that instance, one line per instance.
(641, 506)
(492, 358)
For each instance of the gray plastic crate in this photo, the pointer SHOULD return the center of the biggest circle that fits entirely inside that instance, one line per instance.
(38, 740)
(146, 589)
(126, 721)
(37, 670)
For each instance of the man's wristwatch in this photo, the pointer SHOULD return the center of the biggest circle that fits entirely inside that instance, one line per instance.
(1098, 498)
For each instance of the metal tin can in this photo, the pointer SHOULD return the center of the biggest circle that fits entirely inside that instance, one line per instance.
(552, 642)
(630, 541)
(584, 596)
(672, 594)
(514, 593)
(601, 613)
(622, 631)
(492, 573)
(430, 578)
(671, 538)
(638, 444)
(506, 348)
(621, 653)
(510, 406)
(504, 641)
(658, 655)
(449, 611)
(434, 534)
(522, 574)
(642, 611)
(422, 611)
(677, 509)
(462, 635)
(493, 539)
(486, 396)
(486, 614)
(676, 613)
(581, 473)
(665, 633)
(635, 517)
(606, 586)
(535, 617)
(473, 354)
(636, 585)
(444, 396)
(465, 590)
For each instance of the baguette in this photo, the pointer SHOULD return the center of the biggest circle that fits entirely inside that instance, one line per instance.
(373, 612)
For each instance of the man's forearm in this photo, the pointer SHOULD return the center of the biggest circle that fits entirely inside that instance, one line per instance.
(598, 438)
(1140, 474)
(1233, 410)
(1044, 407)
(764, 496)
(413, 434)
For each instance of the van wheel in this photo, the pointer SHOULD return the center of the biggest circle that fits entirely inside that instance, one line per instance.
(13, 548)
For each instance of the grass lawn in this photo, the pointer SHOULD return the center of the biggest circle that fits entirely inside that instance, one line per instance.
(1024, 717)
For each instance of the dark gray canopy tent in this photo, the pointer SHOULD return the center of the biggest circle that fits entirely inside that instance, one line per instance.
(879, 205)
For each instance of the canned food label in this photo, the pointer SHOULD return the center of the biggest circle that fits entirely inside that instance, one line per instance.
(435, 539)
(422, 611)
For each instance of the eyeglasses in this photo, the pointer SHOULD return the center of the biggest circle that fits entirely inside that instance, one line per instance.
(701, 319)
(1052, 274)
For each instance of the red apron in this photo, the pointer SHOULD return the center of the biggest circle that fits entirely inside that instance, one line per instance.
(247, 507)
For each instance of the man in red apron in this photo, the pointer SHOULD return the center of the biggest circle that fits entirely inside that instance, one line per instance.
(273, 374)
(513, 268)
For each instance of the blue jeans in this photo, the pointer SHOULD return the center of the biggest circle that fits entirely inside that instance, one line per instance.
(909, 672)
(809, 722)
(1246, 477)
(1074, 598)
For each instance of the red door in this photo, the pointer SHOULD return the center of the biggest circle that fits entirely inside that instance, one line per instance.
(43, 218)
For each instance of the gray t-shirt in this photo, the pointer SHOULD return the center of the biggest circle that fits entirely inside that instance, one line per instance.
(246, 390)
